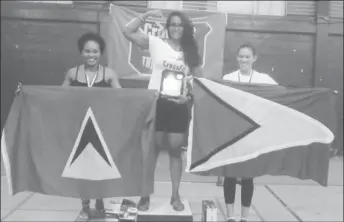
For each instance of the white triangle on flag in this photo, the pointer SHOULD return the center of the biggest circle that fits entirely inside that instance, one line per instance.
(89, 165)
(281, 127)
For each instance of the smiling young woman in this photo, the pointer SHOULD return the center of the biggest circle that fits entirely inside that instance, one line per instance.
(246, 57)
(178, 53)
(91, 74)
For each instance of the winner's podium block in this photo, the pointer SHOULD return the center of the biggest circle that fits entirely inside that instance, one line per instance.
(161, 210)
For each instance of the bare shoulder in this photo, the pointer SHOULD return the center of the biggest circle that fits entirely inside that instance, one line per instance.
(110, 73)
(111, 76)
(71, 73)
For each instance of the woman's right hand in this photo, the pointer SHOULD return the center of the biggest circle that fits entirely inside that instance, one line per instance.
(154, 13)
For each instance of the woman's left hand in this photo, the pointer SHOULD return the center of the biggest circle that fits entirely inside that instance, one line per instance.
(181, 99)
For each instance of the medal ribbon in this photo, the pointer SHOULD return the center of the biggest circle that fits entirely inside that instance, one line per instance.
(90, 84)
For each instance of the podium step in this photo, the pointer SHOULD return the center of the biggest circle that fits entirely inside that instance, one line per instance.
(161, 210)
(95, 216)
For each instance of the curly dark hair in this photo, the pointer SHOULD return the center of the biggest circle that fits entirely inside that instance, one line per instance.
(91, 36)
(188, 41)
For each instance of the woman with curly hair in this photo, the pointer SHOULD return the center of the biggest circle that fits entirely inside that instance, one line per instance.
(91, 74)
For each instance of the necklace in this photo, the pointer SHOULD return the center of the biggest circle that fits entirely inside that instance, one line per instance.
(90, 84)
(251, 74)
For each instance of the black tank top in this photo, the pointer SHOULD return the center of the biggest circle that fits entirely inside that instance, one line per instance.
(101, 83)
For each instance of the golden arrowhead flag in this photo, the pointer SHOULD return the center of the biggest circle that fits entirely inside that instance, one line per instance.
(241, 126)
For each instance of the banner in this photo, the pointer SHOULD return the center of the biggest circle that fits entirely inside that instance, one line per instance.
(128, 60)
(252, 131)
(80, 142)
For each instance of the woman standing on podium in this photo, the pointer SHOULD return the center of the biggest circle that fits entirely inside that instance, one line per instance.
(178, 53)
(91, 74)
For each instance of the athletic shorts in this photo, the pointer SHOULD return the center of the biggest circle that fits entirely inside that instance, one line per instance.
(172, 117)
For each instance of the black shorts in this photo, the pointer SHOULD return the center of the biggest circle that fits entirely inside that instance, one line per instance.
(172, 117)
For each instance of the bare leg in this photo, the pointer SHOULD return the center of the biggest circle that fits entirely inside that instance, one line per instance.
(85, 212)
(176, 141)
(85, 204)
(245, 212)
(176, 165)
(144, 202)
(99, 204)
(230, 211)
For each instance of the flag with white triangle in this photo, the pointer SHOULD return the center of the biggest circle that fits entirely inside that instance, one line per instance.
(90, 158)
(243, 127)
(80, 142)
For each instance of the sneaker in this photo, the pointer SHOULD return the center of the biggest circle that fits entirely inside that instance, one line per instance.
(143, 204)
(243, 220)
(177, 204)
(230, 219)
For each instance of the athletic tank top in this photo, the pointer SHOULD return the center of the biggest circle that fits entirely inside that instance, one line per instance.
(102, 83)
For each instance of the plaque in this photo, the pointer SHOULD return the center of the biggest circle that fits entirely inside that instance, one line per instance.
(172, 84)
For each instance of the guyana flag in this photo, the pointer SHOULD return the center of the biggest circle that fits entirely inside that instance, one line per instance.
(249, 130)
(80, 142)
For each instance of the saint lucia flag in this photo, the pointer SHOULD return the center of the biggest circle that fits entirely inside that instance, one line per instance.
(248, 131)
(80, 142)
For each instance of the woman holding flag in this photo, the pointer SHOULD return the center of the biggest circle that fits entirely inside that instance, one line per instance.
(91, 74)
(246, 56)
(177, 54)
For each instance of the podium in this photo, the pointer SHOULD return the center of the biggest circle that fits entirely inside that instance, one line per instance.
(160, 210)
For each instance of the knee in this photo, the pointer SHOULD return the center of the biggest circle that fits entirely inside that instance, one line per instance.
(229, 181)
(85, 203)
(175, 142)
(175, 152)
(247, 182)
(247, 185)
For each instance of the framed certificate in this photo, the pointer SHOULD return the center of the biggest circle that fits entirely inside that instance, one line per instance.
(172, 83)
